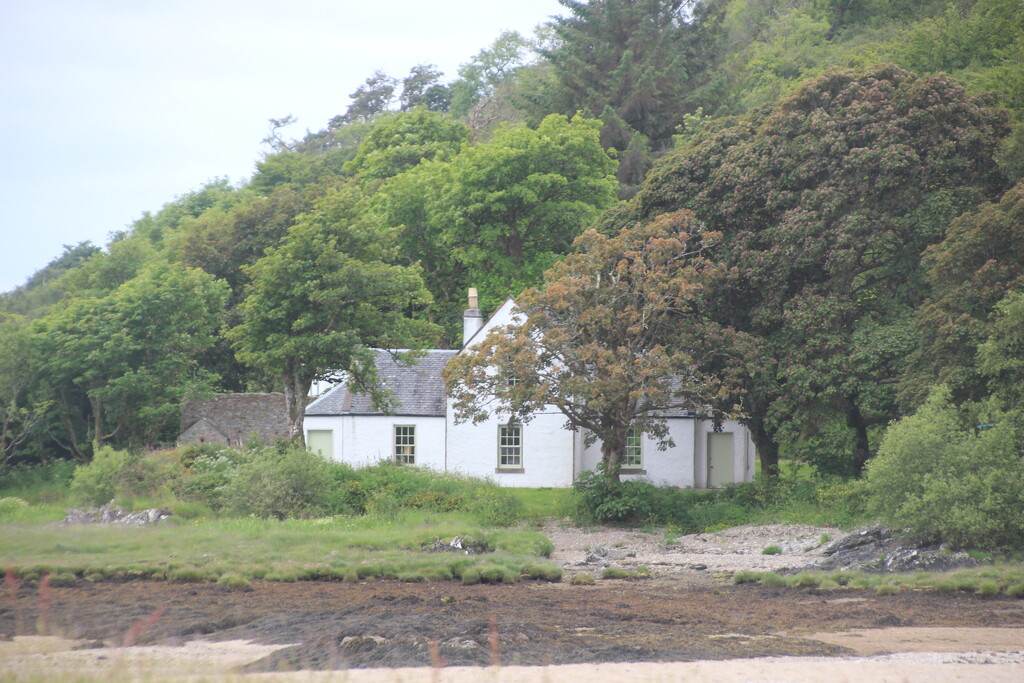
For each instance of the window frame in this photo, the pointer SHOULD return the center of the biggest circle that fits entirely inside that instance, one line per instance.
(633, 462)
(515, 450)
(408, 445)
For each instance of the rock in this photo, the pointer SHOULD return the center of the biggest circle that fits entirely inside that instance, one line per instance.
(459, 544)
(459, 644)
(602, 555)
(872, 535)
(362, 643)
(114, 514)
(875, 550)
(912, 559)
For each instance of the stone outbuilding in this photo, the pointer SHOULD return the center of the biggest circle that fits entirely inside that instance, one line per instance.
(234, 419)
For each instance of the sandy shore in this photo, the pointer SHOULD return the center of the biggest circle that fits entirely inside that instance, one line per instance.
(908, 654)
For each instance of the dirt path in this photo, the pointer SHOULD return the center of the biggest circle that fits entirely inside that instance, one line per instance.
(682, 615)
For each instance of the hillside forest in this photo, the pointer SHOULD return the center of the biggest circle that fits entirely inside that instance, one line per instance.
(848, 173)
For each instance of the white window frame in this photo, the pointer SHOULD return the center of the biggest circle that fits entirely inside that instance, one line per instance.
(510, 447)
(403, 443)
(633, 455)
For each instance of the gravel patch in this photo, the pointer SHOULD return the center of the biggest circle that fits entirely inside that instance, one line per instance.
(589, 549)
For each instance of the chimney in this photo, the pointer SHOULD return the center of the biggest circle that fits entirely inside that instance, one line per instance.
(472, 318)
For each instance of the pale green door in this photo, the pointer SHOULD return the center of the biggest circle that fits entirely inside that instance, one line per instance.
(321, 441)
(720, 460)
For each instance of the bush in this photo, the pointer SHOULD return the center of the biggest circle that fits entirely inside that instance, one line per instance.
(280, 482)
(602, 499)
(12, 508)
(937, 476)
(207, 469)
(119, 474)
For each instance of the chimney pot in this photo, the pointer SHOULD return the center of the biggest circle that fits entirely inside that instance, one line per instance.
(472, 318)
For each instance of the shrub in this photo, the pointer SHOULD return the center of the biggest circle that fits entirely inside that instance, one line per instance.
(937, 476)
(746, 576)
(12, 508)
(119, 474)
(772, 550)
(583, 579)
(602, 499)
(207, 469)
(280, 483)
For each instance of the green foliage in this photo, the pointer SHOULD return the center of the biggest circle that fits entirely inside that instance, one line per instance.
(1001, 357)
(127, 358)
(583, 579)
(944, 480)
(771, 550)
(607, 341)
(279, 483)
(813, 307)
(11, 508)
(976, 265)
(628, 574)
(401, 141)
(780, 499)
(114, 474)
(323, 297)
(628, 56)
(605, 499)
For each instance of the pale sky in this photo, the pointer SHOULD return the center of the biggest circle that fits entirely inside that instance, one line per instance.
(115, 107)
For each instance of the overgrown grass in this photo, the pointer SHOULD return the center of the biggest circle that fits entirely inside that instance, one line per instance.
(999, 579)
(233, 551)
(542, 503)
(41, 484)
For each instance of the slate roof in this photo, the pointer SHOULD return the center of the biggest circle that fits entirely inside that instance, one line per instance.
(417, 388)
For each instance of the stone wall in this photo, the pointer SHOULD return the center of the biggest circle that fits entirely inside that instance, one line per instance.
(238, 417)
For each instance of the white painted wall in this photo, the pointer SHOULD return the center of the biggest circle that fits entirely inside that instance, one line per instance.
(685, 464)
(361, 440)
(547, 451)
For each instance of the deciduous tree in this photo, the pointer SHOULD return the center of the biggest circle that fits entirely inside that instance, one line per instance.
(131, 354)
(826, 202)
(609, 340)
(321, 299)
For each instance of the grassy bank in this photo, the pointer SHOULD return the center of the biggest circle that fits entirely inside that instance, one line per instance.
(235, 551)
(1000, 579)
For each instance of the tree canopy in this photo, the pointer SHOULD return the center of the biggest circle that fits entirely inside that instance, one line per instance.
(320, 300)
(826, 202)
(608, 340)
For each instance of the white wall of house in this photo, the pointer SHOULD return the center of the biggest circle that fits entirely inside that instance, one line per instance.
(361, 440)
(546, 451)
(547, 454)
(686, 463)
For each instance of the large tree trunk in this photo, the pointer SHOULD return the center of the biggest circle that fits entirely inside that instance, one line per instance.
(613, 448)
(296, 391)
(767, 449)
(861, 448)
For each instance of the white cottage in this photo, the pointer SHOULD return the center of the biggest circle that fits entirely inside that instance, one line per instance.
(421, 430)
